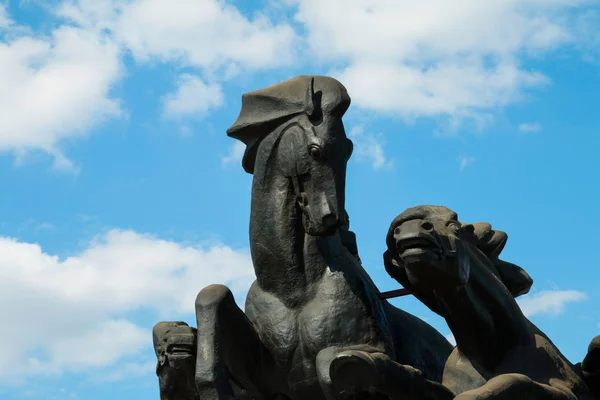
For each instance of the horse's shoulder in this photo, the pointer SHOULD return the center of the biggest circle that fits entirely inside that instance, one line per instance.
(460, 375)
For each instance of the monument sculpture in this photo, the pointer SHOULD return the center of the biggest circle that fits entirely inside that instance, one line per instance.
(315, 326)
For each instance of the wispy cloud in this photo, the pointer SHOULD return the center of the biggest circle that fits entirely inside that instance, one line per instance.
(465, 161)
(549, 302)
(236, 152)
(530, 127)
(63, 164)
(5, 20)
(368, 146)
(37, 226)
(192, 98)
(127, 371)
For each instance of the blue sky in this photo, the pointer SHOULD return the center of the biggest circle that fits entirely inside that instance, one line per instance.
(122, 196)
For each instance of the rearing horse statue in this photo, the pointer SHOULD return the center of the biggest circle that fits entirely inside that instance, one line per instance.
(311, 300)
(455, 269)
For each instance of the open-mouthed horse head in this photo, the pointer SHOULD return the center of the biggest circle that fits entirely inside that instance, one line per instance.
(296, 128)
(428, 248)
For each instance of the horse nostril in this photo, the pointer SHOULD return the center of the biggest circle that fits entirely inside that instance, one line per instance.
(428, 226)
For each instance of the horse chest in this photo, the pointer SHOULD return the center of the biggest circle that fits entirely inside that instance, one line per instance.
(275, 323)
(340, 314)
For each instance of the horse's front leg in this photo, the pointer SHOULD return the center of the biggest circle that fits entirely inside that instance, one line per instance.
(515, 387)
(362, 372)
(229, 349)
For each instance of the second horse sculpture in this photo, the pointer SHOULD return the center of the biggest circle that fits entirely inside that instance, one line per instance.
(454, 268)
(311, 300)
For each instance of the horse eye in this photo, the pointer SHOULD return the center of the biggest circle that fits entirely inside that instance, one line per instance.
(315, 152)
(454, 226)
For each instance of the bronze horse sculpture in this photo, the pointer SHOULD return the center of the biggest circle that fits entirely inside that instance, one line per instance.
(315, 326)
(454, 269)
(311, 300)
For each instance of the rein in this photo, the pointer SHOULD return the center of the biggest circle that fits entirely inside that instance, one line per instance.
(393, 293)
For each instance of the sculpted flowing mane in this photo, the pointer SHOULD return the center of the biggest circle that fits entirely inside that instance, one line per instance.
(266, 110)
(491, 243)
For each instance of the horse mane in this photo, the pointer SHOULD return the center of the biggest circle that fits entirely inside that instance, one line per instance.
(269, 145)
(491, 243)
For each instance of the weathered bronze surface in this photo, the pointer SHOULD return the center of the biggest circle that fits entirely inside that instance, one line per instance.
(315, 326)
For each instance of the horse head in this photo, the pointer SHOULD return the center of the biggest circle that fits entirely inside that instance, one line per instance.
(294, 130)
(429, 249)
(175, 348)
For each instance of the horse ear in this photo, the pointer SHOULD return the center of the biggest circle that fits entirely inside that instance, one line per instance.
(312, 102)
(491, 242)
(516, 279)
(309, 99)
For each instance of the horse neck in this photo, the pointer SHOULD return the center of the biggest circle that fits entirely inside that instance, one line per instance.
(484, 318)
(279, 245)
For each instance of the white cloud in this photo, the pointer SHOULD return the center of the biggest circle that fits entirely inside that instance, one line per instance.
(53, 88)
(530, 127)
(58, 87)
(455, 88)
(434, 57)
(127, 371)
(208, 34)
(90, 348)
(71, 314)
(192, 98)
(465, 161)
(62, 163)
(368, 146)
(414, 59)
(551, 302)
(236, 153)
